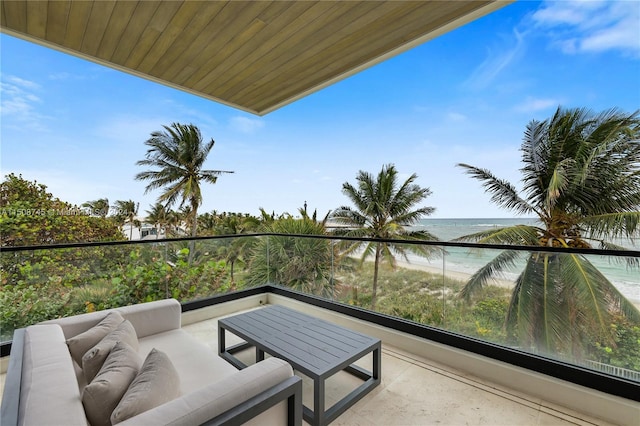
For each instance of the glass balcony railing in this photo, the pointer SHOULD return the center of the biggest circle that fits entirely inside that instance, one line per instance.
(575, 306)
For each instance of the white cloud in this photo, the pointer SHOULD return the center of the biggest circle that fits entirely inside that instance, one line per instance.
(536, 104)
(246, 124)
(23, 83)
(567, 12)
(456, 117)
(204, 121)
(62, 76)
(129, 130)
(592, 26)
(495, 63)
(20, 103)
(59, 76)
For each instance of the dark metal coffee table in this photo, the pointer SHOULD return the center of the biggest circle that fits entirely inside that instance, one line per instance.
(316, 348)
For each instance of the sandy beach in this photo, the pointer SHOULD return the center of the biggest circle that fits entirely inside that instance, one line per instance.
(463, 276)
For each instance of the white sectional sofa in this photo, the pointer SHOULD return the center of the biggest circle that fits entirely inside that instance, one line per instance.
(44, 385)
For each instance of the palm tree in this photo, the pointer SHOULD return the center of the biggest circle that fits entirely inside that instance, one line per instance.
(159, 217)
(175, 221)
(179, 154)
(314, 217)
(235, 249)
(384, 208)
(98, 207)
(186, 216)
(127, 212)
(581, 178)
(302, 263)
(207, 223)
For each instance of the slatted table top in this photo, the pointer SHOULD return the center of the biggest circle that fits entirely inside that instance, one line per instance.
(313, 346)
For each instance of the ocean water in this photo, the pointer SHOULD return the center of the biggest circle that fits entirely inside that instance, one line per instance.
(626, 280)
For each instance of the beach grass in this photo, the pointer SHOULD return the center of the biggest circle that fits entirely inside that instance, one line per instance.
(426, 297)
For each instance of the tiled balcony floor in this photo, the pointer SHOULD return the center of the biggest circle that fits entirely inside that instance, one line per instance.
(417, 391)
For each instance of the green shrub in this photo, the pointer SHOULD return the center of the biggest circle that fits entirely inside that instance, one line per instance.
(625, 352)
(146, 278)
(26, 305)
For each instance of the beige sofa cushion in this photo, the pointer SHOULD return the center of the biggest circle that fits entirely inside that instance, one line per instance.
(102, 395)
(198, 364)
(93, 359)
(81, 343)
(156, 383)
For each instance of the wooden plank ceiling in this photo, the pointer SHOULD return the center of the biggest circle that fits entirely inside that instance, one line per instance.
(253, 55)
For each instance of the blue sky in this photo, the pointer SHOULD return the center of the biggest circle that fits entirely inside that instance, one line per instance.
(464, 97)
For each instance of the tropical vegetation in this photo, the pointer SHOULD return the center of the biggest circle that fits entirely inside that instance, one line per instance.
(581, 178)
(30, 215)
(383, 208)
(126, 213)
(300, 263)
(158, 216)
(99, 207)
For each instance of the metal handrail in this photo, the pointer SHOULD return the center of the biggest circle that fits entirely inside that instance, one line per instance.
(593, 251)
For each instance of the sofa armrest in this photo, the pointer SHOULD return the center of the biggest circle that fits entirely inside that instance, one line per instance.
(11, 393)
(258, 387)
(40, 358)
(289, 390)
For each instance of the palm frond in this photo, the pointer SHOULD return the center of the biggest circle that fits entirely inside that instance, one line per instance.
(588, 285)
(425, 251)
(612, 225)
(503, 193)
(631, 262)
(418, 235)
(535, 152)
(387, 254)
(345, 215)
(515, 235)
(534, 146)
(534, 308)
(491, 270)
(348, 248)
(369, 249)
(560, 178)
(592, 293)
(411, 217)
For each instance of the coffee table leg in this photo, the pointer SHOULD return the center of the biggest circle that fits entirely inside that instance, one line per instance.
(259, 355)
(318, 400)
(377, 363)
(221, 340)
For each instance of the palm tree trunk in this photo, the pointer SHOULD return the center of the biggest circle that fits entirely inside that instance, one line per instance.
(376, 265)
(194, 223)
(194, 231)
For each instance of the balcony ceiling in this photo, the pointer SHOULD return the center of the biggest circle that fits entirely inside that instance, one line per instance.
(253, 55)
